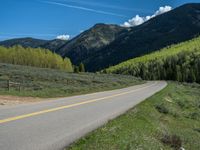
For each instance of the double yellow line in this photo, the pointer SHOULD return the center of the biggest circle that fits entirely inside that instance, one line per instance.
(69, 106)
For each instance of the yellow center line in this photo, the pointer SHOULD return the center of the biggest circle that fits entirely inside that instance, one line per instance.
(69, 106)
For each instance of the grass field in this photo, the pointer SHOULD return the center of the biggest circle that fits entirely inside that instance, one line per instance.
(168, 120)
(38, 82)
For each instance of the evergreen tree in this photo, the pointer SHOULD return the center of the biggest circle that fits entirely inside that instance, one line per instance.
(178, 74)
(191, 76)
(81, 67)
(76, 69)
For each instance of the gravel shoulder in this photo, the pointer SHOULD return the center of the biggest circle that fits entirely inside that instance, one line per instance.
(15, 100)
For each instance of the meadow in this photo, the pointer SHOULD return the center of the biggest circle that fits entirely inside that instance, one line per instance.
(40, 82)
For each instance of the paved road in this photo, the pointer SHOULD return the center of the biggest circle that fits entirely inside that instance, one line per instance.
(52, 125)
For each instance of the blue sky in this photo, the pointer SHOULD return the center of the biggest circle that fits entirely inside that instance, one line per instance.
(46, 19)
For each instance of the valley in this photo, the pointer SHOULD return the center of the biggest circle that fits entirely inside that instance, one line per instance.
(128, 86)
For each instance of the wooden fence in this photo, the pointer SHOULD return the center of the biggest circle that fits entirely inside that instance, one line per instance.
(13, 84)
(7, 84)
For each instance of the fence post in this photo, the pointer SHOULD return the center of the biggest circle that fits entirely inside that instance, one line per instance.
(8, 84)
(19, 87)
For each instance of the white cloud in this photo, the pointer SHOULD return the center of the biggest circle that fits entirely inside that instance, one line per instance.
(163, 10)
(63, 37)
(137, 20)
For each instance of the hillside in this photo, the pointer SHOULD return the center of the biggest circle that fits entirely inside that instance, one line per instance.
(90, 42)
(178, 25)
(179, 62)
(41, 82)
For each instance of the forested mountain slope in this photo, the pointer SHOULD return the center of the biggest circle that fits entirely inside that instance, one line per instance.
(178, 25)
(179, 62)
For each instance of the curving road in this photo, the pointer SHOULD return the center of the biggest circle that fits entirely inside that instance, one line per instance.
(52, 125)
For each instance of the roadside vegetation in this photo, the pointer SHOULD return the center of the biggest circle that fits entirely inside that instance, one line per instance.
(36, 57)
(40, 82)
(179, 62)
(168, 120)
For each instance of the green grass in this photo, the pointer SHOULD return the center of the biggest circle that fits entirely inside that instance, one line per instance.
(171, 116)
(38, 82)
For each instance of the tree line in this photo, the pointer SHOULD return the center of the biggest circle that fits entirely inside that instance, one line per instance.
(179, 62)
(36, 57)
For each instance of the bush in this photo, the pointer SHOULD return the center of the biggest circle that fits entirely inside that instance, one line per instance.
(194, 116)
(162, 109)
(174, 114)
(173, 141)
(197, 129)
(181, 104)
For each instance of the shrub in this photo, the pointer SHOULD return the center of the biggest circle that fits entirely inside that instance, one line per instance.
(197, 129)
(194, 116)
(173, 141)
(162, 109)
(181, 104)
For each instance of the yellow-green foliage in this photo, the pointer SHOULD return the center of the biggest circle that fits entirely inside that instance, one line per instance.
(36, 57)
(177, 62)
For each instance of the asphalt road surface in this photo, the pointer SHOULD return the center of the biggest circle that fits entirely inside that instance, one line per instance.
(52, 125)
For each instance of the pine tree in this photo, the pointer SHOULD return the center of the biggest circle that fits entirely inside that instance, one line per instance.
(76, 69)
(178, 74)
(191, 76)
(81, 67)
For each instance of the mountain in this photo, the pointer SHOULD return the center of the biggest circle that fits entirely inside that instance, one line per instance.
(25, 42)
(90, 42)
(52, 45)
(178, 25)
(79, 48)
(106, 45)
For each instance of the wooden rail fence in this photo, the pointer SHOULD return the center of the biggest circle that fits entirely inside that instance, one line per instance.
(15, 84)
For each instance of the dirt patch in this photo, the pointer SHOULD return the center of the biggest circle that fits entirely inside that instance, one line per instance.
(14, 100)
